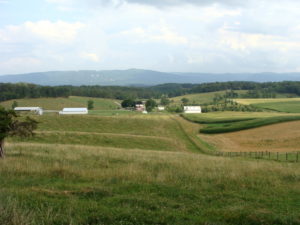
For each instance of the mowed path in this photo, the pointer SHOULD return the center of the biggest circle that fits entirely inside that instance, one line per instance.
(281, 137)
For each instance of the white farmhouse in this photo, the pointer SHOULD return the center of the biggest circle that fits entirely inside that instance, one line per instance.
(192, 109)
(161, 108)
(37, 110)
(73, 111)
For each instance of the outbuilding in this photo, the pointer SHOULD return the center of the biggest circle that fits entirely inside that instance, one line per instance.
(73, 111)
(36, 110)
(192, 109)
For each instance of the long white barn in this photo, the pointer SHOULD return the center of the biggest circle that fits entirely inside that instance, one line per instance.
(192, 109)
(37, 110)
(74, 111)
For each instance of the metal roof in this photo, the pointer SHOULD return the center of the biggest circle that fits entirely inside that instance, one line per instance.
(75, 110)
(27, 108)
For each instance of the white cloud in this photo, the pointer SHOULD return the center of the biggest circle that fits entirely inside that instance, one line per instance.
(59, 31)
(90, 56)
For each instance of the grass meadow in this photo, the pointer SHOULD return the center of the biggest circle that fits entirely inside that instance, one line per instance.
(69, 184)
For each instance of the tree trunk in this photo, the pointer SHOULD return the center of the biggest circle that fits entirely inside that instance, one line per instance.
(2, 149)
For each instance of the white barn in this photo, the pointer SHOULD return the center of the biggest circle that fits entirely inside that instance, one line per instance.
(37, 110)
(192, 109)
(73, 111)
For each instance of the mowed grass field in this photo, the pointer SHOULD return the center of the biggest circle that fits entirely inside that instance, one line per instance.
(60, 103)
(289, 105)
(145, 132)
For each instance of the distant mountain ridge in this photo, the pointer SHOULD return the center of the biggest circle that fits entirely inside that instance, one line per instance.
(139, 77)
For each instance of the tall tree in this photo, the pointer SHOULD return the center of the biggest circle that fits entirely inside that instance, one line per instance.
(90, 104)
(10, 126)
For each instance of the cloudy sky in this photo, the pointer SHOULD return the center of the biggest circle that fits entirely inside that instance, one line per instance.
(167, 35)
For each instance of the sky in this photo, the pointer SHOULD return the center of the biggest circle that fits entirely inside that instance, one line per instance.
(216, 36)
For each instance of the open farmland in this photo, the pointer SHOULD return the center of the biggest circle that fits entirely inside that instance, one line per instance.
(289, 105)
(59, 103)
(201, 98)
(141, 169)
(222, 122)
(282, 137)
(127, 132)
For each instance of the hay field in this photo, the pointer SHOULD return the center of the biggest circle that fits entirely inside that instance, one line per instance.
(250, 101)
(146, 132)
(282, 137)
(60, 103)
(69, 184)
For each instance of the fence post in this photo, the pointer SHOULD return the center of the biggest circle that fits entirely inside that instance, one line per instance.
(277, 157)
(286, 156)
(297, 157)
(269, 155)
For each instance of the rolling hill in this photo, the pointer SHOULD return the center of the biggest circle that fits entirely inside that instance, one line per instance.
(137, 77)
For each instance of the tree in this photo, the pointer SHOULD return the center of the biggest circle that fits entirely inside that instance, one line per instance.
(128, 103)
(14, 104)
(10, 126)
(90, 104)
(150, 105)
(164, 100)
(184, 100)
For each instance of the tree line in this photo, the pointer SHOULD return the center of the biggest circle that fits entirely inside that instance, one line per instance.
(254, 90)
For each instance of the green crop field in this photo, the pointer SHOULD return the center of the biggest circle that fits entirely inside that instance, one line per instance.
(222, 122)
(60, 103)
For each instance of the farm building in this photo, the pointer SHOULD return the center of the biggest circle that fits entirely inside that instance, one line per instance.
(36, 110)
(140, 107)
(161, 108)
(192, 109)
(73, 111)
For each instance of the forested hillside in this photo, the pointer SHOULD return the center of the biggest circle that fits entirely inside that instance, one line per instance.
(254, 90)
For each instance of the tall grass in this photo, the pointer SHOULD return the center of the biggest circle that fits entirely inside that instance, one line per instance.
(61, 184)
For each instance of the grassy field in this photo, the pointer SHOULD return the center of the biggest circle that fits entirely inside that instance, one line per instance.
(134, 169)
(282, 137)
(146, 132)
(289, 105)
(202, 98)
(60, 103)
(222, 122)
(66, 184)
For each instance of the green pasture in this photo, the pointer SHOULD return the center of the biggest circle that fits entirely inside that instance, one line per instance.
(201, 98)
(60, 103)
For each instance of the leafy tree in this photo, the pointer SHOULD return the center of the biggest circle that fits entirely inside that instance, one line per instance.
(184, 101)
(90, 104)
(164, 100)
(150, 105)
(14, 104)
(10, 126)
(128, 103)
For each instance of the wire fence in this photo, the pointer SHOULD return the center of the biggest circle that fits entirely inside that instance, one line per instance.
(277, 156)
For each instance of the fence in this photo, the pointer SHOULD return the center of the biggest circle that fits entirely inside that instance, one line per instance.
(277, 156)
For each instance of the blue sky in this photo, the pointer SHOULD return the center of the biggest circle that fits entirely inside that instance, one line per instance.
(167, 35)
